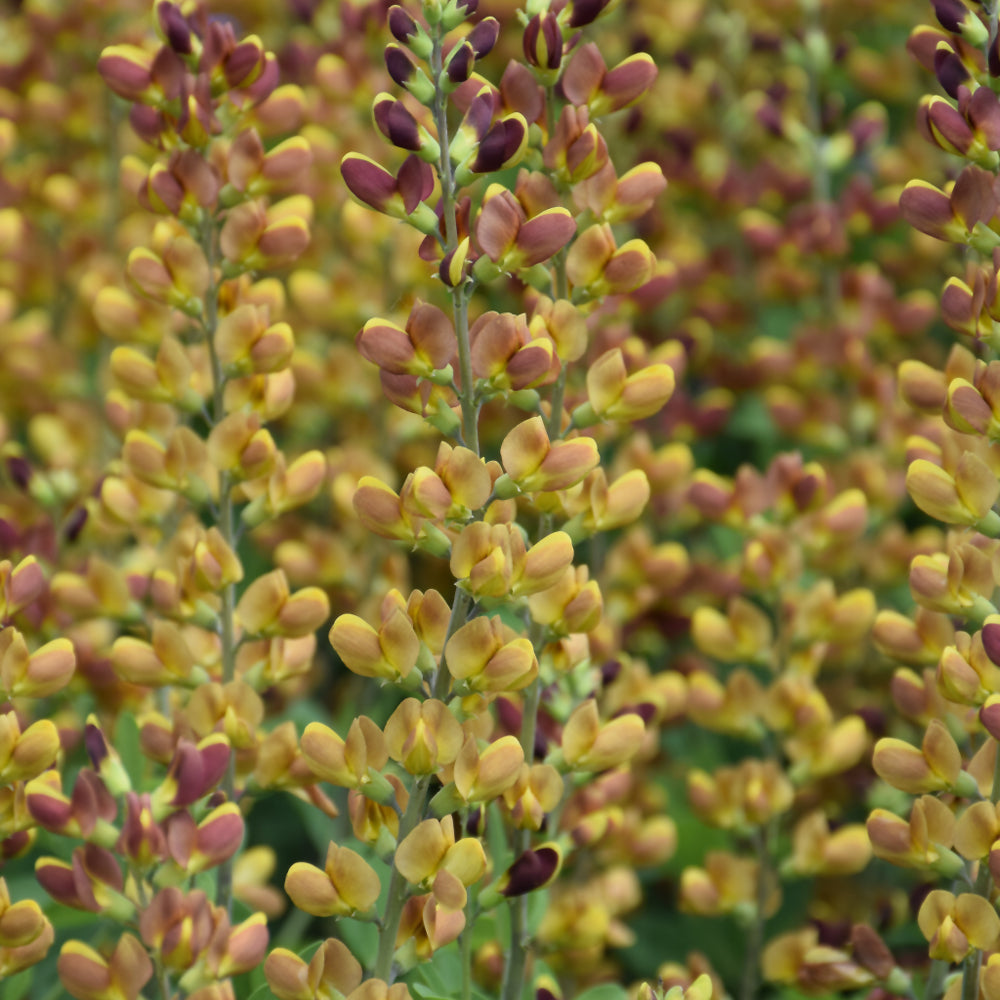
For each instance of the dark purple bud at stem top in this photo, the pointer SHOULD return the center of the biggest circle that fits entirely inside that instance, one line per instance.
(175, 28)
(468, 6)
(399, 64)
(586, 12)
(484, 36)
(401, 25)
(460, 62)
(993, 57)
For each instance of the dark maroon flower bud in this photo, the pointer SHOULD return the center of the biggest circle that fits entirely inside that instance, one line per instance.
(983, 110)
(266, 82)
(950, 14)
(991, 641)
(610, 669)
(401, 25)
(96, 744)
(521, 92)
(950, 70)
(399, 64)
(8, 535)
(586, 12)
(174, 27)
(454, 269)
(142, 840)
(15, 845)
(168, 73)
(147, 123)
(468, 7)
(19, 470)
(244, 63)
(396, 123)
(74, 524)
(475, 825)
(218, 42)
(532, 870)
(941, 123)
(499, 145)
(415, 181)
(193, 772)
(459, 65)
(479, 114)
(543, 41)
(484, 36)
(993, 57)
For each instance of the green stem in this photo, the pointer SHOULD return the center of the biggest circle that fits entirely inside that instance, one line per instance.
(465, 947)
(398, 888)
(517, 957)
(750, 978)
(459, 297)
(934, 988)
(983, 887)
(227, 633)
(161, 974)
(460, 608)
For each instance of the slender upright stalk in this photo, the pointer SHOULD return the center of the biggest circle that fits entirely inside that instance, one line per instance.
(397, 884)
(983, 887)
(415, 808)
(227, 634)
(750, 978)
(459, 297)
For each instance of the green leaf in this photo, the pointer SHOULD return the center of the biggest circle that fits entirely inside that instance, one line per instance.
(16, 987)
(606, 991)
(361, 938)
(130, 749)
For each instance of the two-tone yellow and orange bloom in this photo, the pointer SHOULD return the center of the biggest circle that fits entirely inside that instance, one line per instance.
(346, 884)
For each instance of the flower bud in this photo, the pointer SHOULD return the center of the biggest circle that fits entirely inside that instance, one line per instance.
(423, 736)
(347, 885)
(588, 745)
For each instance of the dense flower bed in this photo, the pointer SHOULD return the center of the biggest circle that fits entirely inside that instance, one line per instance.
(499, 501)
